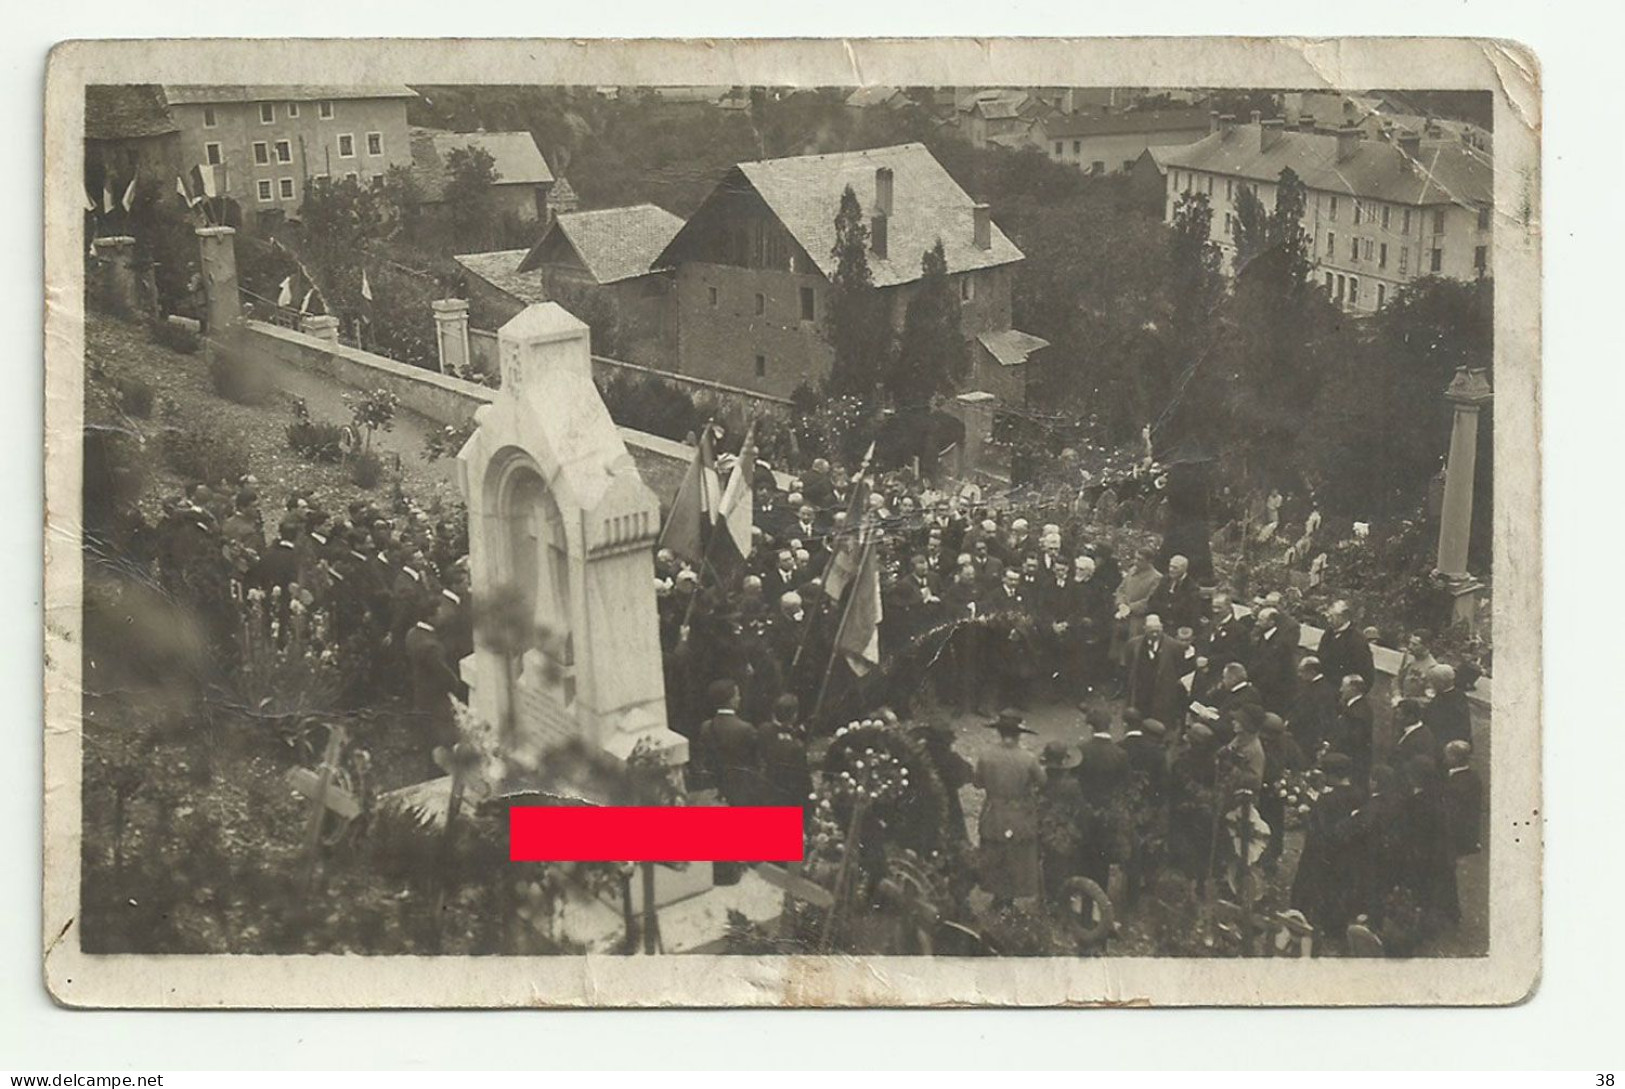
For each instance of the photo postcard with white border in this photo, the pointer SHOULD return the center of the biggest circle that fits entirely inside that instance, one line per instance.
(1083, 494)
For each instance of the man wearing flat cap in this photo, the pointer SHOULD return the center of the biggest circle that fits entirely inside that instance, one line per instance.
(1013, 778)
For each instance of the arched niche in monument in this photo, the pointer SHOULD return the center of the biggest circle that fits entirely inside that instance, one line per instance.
(561, 533)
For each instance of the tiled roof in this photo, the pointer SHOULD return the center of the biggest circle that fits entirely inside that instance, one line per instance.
(927, 204)
(871, 96)
(501, 270)
(1131, 121)
(192, 94)
(1011, 347)
(614, 243)
(126, 111)
(1378, 170)
(518, 162)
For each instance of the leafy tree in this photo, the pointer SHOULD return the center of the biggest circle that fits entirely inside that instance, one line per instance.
(931, 356)
(1251, 392)
(1381, 423)
(859, 330)
(373, 411)
(471, 174)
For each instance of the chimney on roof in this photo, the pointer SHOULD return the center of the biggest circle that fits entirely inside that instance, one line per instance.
(1410, 144)
(1269, 133)
(1306, 122)
(1227, 125)
(1258, 115)
(1348, 142)
(982, 226)
(1213, 121)
(883, 190)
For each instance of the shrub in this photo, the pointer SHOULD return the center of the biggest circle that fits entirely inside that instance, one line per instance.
(203, 453)
(135, 397)
(236, 379)
(177, 338)
(312, 439)
(367, 470)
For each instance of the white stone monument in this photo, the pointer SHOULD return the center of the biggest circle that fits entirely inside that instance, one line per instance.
(560, 522)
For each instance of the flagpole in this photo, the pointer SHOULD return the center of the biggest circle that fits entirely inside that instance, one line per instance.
(852, 589)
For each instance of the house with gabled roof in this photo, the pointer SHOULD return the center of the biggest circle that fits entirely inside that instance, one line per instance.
(1109, 142)
(523, 180)
(754, 263)
(1380, 211)
(603, 265)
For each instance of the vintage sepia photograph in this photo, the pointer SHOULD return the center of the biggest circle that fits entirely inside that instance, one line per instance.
(1106, 511)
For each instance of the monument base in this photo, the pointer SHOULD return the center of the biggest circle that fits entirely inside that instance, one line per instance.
(1464, 593)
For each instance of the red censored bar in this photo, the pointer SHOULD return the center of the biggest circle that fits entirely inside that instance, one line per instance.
(654, 834)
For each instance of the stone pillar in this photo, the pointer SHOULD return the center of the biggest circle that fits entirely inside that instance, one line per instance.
(217, 251)
(123, 285)
(975, 411)
(321, 326)
(1469, 392)
(451, 333)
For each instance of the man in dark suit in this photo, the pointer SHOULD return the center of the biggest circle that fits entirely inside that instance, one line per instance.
(1237, 696)
(1010, 632)
(1353, 735)
(1274, 667)
(1343, 649)
(729, 744)
(1314, 711)
(782, 577)
(961, 606)
(1228, 637)
(1415, 738)
(1156, 661)
(1176, 599)
(1447, 714)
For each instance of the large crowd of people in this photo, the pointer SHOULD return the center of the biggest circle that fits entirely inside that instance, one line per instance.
(1195, 714)
(1205, 730)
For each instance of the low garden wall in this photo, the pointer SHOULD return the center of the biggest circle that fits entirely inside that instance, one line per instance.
(438, 397)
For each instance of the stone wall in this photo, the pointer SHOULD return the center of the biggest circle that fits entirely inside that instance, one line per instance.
(438, 397)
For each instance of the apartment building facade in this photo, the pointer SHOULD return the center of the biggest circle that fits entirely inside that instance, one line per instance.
(1380, 211)
(258, 145)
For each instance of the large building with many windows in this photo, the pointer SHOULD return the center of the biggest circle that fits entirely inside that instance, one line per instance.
(1381, 211)
(257, 145)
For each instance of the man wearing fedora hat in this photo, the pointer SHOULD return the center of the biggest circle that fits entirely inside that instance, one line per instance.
(1012, 777)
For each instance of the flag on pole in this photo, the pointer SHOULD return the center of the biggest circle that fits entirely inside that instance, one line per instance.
(181, 191)
(304, 303)
(285, 296)
(737, 511)
(366, 288)
(203, 174)
(129, 194)
(694, 511)
(844, 563)
(107, 195)
(90, 202)
(858, 639)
